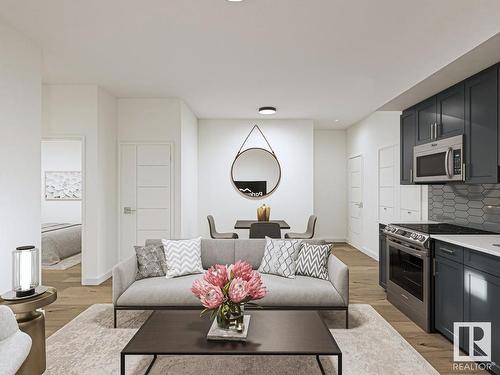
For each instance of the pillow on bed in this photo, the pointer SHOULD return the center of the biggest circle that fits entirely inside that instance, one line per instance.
(150, 261)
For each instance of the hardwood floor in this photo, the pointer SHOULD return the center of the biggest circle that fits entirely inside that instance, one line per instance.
(74, 298)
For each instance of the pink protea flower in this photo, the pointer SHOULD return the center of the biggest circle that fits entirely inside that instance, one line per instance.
(238, 290)
(210, 296)
(242, 270)
(255, 289)
(217, 275)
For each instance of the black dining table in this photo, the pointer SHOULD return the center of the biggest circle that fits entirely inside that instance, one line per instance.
(245, 224)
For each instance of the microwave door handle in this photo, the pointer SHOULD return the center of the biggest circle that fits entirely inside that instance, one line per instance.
(447, 162)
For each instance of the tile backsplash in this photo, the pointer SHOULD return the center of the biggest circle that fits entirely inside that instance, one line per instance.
(475, 206)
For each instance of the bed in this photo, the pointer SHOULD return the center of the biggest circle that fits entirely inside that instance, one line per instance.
(60, 241)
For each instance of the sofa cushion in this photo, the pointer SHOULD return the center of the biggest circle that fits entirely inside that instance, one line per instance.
(216, 251)
(251, 250)
(160, 291)
(300, 291)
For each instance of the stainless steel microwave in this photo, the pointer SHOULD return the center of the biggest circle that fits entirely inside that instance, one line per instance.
(439, 161)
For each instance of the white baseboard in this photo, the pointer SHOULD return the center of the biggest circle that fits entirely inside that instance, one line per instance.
(97, 280)
(365, 250)
(332, 239)
(370, 253)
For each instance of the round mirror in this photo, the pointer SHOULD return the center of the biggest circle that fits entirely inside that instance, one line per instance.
(256, 173)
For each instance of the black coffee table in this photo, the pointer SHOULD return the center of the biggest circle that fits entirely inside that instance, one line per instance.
(291, 333)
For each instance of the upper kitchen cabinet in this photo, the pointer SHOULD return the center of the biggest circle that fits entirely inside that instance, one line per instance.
(451, 111)
(426, 118)
(481, 127)
(407, 134)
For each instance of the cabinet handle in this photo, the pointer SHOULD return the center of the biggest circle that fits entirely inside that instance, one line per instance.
(436, 130)
(464, 175)
(432, 131)
(411, 175)
(448, 251)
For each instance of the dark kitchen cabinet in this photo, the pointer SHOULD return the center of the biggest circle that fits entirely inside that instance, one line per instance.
(481, 127)
(451, 111)
(407, 136)
(426, 117)
(382, 257)
(482, 304)
(448, 295)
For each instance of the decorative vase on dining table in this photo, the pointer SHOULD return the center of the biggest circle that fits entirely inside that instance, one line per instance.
(263, 213)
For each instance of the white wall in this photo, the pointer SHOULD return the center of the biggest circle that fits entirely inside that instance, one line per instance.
(189, 173)
(86, 111)
(154, 120)
(60, 155)
(366, 138)
(330, 185)
(20, 112)
(107, 156)
(219, 141)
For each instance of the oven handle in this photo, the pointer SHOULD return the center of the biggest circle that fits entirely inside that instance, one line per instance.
(447, 162)
(405, 249)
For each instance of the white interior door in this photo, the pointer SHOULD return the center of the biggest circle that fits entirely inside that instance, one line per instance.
(355, 180)
(145, 194)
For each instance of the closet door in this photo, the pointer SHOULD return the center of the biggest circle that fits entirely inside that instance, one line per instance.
(145, 194)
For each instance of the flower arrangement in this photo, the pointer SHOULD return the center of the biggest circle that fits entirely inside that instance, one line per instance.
(224, 290)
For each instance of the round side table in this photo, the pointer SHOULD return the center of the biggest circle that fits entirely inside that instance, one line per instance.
(32, 322)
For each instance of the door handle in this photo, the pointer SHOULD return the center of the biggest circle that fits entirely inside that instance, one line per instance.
(360, 204)
(128, 210)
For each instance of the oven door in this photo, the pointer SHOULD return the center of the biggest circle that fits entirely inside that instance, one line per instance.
(407, 269)
(438, 161)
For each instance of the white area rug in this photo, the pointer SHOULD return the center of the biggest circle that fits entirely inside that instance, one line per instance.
(65, 263)
(89, 345)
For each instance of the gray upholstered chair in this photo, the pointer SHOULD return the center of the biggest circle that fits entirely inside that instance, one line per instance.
(217, 235)
(265, 229)
(309, 233)
(14, 344)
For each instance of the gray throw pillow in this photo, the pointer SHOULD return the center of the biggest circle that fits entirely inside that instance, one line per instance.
(313, 261)
(280, 257)
(150, 261)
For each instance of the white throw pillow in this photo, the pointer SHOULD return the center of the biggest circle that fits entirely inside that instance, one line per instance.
(280, 257)
(183, 257)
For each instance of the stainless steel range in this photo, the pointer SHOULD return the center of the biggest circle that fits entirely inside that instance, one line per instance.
(409, 267)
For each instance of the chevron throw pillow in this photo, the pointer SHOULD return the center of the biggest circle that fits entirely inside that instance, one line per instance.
(183, 257)
(280, 257)
(313, 261)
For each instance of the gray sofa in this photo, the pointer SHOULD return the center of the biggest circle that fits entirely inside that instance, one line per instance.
(160, 293)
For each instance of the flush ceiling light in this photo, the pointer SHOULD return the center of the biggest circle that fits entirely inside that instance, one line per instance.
(234, 1)
(267, 110)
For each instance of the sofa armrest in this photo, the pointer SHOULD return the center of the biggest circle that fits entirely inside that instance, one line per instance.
(338, 274)
(123, 276)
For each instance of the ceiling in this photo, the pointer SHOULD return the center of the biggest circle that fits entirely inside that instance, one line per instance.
(324, 60)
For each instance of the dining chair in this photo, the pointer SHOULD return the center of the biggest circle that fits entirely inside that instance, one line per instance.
(217, 235)
(263, 230)
(309, 233)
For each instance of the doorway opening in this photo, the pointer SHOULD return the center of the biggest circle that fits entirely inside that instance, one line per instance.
(62, 219)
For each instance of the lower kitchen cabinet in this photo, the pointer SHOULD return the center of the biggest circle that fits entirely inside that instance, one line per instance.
(465, 293)
(382, 258)
(448, 295)
(482, 304)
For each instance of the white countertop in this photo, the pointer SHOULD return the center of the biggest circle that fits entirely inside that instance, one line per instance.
(479, 242)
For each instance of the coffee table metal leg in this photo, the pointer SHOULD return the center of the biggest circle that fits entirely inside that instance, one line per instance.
(320, 365)
(339, 364)
(122, 364)
(151, 364)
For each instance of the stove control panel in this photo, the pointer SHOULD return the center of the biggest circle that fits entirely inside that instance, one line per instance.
(406, 234)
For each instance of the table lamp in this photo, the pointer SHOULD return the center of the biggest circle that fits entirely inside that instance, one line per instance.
(26, 271)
